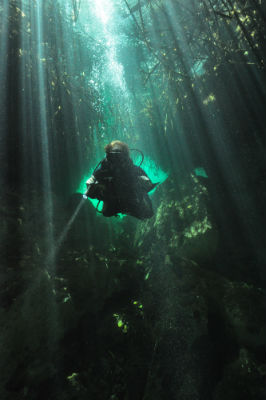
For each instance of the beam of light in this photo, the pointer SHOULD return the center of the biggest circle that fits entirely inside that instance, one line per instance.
(29, 165)
(170, 147)
(54, 250)
(104, 12)
(3, 39)
(114, 78)
(3, 53)
(224, 152)
(37, 23)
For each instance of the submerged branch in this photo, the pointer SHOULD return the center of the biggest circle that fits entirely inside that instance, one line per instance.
(247, 36)
(76, 9)
(132, 14)
(151, 72)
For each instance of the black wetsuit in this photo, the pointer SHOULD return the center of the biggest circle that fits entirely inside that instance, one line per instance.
(123, 187)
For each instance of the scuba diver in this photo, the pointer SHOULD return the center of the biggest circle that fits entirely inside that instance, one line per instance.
(122, 186)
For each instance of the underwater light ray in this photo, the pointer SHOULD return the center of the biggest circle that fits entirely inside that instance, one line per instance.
(171, 94)
(219, 147)
(244, 55)
(202, 115)
(72, 67)
(29, 165)
(37, 24)
(103, 9)
(238, 86)
(104, 12)
(226, 159)
(178, 151)
(4, 42)
(50, 260)
(161, 138)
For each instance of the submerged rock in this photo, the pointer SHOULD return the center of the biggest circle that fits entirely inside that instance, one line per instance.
(144, 314)
(241, 379)
(204, 325)
(183, 222)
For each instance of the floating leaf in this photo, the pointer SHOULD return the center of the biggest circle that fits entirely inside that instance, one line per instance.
(125, 329)
(209, 99)
(19, 11)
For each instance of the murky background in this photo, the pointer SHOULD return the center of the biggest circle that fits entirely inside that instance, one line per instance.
(117, 308)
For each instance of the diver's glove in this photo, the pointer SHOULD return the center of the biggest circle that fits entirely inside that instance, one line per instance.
(95, 190)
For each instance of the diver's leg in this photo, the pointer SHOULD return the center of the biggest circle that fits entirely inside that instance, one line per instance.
(142, 209)
(109, 209)
(146, 207)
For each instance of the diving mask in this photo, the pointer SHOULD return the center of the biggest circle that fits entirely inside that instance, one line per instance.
(116, 156)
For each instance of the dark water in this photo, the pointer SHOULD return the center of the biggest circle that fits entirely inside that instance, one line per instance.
(172, 307)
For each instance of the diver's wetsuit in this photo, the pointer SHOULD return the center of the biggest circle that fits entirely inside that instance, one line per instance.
(123, 188)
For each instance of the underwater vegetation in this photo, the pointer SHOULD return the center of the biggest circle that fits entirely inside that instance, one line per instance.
(98, 308)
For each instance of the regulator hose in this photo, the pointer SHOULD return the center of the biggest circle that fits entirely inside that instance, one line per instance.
(142, 155)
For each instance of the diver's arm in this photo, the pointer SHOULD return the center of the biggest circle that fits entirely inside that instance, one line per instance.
(95, 190)
(145, 183)
(90, 183)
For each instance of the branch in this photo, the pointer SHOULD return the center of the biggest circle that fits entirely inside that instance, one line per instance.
(151, 72)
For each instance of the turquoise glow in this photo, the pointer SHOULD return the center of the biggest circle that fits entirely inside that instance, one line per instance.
(154, 172)
(200, 171)
(198, 68)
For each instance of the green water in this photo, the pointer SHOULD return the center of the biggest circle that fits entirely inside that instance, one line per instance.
(167, 308)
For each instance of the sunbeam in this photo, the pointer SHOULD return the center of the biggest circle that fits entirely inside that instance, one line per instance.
(132, 202)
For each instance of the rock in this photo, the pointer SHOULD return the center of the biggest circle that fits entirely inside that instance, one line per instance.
(182, 223)
(241, 380)
(244, 307)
